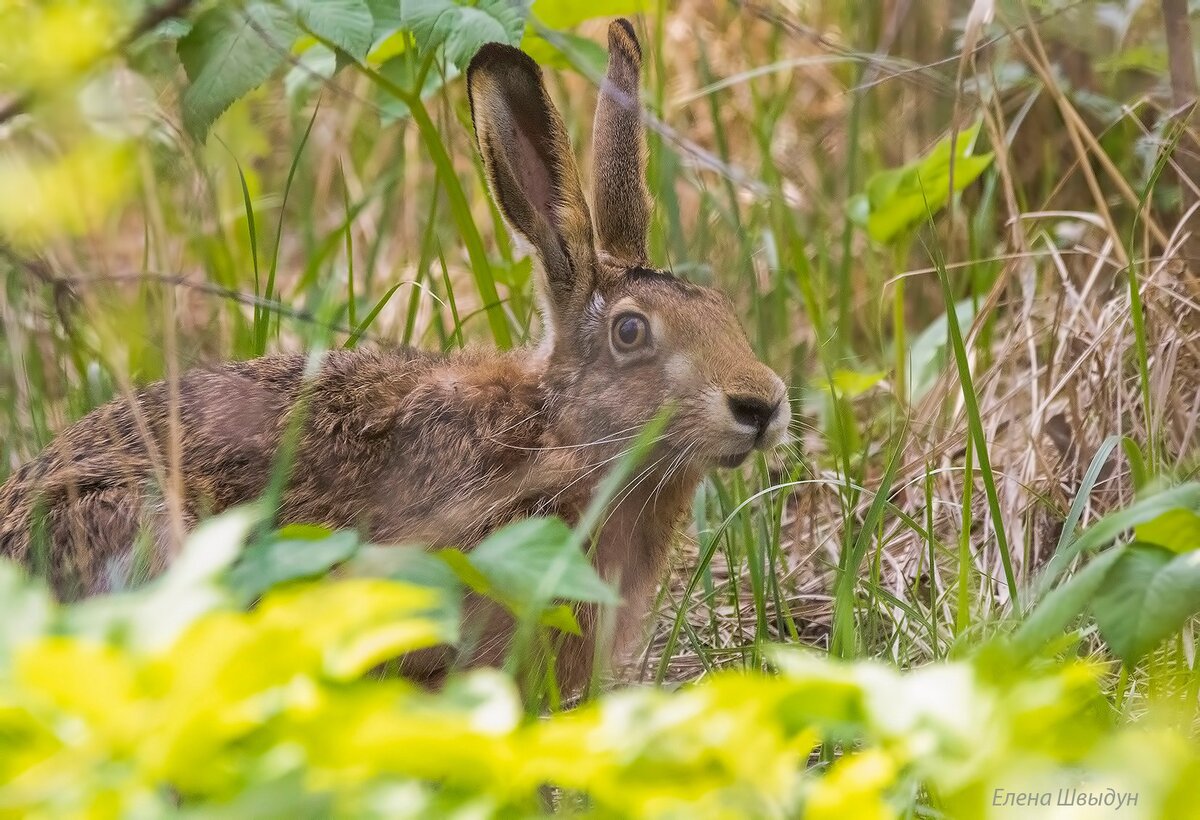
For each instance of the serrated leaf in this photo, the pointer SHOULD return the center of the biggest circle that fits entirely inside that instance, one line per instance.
(294, 553)
(1178, 530)
(1147, 594)
(461, 29)
(229, 52)
(347, 24)
(532, 561)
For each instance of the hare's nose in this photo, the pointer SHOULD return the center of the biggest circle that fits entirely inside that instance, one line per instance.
(751, 411)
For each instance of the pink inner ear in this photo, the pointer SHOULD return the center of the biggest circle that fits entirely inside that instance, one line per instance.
(533, 175)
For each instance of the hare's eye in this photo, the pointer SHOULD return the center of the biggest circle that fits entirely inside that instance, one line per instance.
(630, 331)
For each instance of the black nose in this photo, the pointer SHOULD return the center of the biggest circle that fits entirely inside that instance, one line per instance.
(752, 411)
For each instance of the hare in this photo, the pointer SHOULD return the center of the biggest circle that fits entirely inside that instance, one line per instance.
(410, 446)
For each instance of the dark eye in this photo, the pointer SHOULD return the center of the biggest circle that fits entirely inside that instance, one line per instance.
(630, 331)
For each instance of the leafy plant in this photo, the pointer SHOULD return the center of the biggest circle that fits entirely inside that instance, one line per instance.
(276, 708)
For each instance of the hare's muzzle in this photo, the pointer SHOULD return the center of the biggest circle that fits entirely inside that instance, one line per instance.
(756, 421)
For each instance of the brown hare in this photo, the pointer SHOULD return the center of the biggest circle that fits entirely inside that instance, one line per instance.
(409, 446)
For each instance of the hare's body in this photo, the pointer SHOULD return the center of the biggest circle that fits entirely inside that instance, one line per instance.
(406, 447)
(442, 450)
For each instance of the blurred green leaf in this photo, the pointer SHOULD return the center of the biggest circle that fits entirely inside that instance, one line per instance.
(293, 553)
(402, 70)
(1178, 530)
(853, 383)
(568, 13)
(565, 51)
(1147, 594)
(532, 561)
(229, 52)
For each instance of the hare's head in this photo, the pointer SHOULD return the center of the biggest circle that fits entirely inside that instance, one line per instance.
(623, 338)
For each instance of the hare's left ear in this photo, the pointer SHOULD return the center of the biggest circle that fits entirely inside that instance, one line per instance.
(622, 199)
(531, 172)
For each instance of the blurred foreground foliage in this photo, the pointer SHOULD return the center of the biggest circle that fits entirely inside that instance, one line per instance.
(174, 699)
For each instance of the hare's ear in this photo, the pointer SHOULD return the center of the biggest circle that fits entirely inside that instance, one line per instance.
(619, 152)
(531, 171)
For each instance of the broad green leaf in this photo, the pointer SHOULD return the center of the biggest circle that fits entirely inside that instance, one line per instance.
(1051, 615)
(403, 563)
(293, 553)
(347, 24)
(899, 198)
(1178, 530)
(1104, 531)
(1147, 595)
(229, 52)
(532, 561)
(461, 29)
(388, 16)
(568, 13)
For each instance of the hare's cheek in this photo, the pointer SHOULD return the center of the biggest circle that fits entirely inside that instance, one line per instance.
(714, 413)
(681, 373)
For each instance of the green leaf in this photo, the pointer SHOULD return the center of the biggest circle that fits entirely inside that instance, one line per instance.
(1052, 614)
(1148, 594)
(229, 52)
(1178, 530)
(899, 198)
(347, 24)
(562, 618)
(927, 353)
(461, 29)
(852, 383)
(295, 552)
(568, 13)
(402, 70)
(387, 15)
(565, 51)
(532, 561)
(1104, 531)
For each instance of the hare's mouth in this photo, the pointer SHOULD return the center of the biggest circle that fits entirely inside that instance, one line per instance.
(734, 459)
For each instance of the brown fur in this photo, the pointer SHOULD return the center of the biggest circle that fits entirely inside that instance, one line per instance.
(417, 447)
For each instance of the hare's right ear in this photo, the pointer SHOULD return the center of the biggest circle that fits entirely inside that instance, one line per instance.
(531, 170)
(619, 152)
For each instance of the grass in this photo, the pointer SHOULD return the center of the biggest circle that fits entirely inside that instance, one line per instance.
(892, 528)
